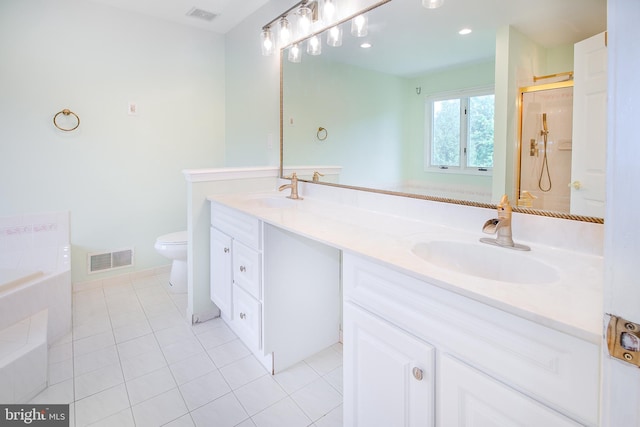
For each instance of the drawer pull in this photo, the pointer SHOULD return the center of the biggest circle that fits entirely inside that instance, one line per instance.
(243, 268)
(226, 250)
(418, 374)
(243, 316)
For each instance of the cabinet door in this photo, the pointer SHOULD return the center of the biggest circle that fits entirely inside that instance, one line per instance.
(388, 374)
(469, 398)
(220, 276)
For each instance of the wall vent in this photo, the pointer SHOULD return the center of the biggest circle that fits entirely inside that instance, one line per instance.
(201, 14)
(105, 261)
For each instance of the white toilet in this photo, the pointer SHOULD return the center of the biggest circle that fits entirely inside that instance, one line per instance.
(174, 247)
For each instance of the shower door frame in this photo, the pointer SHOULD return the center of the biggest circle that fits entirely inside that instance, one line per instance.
(521, 92)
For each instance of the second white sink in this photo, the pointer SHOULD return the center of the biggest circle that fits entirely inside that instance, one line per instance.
(485, 261)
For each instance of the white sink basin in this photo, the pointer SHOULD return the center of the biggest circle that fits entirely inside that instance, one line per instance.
(487, 262)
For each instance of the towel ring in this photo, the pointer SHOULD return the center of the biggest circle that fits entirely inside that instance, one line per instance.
(66, 112)
(322, 134)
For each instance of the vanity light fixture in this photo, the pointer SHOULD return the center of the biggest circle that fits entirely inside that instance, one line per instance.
(314, 45)
(432, 4)
(464, 31)
(334, 36)
(303, 14)
(359, 26)
(365, 45)
(294, 53)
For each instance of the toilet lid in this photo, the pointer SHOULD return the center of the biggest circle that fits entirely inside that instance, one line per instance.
(177, 238)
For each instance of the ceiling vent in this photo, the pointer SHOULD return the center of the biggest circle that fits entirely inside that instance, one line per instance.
(201, 14)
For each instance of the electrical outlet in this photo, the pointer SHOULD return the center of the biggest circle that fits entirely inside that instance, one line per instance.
(132, 109)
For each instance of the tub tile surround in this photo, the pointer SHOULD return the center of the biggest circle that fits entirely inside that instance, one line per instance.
(384, 227)
(169, 372)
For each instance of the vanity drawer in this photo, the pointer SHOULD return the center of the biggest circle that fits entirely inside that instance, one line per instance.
(240, 226)
(552, 367)
(247, 268)
(247, 318)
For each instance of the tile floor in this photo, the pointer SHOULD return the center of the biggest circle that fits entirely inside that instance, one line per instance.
(132, 360)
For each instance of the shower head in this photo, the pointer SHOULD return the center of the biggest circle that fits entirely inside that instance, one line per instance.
(545, 130)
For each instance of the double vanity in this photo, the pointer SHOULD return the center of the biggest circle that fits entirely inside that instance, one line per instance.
(438, 328)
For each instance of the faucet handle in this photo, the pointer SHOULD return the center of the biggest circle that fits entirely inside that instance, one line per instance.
(316, 176)
(293, 176)
(504, 207)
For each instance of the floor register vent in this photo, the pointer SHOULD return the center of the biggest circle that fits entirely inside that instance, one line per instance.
(106, 261)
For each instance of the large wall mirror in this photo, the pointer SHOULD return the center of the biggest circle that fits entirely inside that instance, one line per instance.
(427, 112)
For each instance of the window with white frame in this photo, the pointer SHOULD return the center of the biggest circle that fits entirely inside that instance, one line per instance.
(459, 131)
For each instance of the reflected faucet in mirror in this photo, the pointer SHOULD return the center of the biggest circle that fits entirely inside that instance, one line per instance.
(293, 186)
(502, 227)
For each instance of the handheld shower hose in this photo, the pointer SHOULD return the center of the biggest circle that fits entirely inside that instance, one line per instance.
(545, 162)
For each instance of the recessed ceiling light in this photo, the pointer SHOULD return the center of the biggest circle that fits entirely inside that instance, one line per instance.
(464, 31)
(365, 45)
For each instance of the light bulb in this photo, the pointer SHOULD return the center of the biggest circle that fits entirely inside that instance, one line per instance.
(304, 21)
(359, 26)
(432, 4)
(329, 11)
(294, 53)
(267, 42)
(285, 32)
(334, 36)
(314, 46)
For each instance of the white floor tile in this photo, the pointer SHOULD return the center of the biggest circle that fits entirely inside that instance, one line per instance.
(223, 412)
(204, 389)
(283, 413)
(246, 423)
(243, 371)
(98, 380)
(335, 379)
(165, 321)
(93, 343)
(142, 364)
(200, 328)
(150, 385)
(325, 361)
(131, 331)
(137, 346)
(259, 394)
(101, 405)
(183, 421)
(120, 419)
(192, 368)
(174, 334)
(60, 371)
(159, 410)
(228, 353)
(86, 363)
(60, 352)
(122, 319)
(317, 399)
(332, 419)
(296, 377)
(182, 349)
(216, 337)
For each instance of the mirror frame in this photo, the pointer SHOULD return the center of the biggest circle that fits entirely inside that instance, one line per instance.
(518, 209)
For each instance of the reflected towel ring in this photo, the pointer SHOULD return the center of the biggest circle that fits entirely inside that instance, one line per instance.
(66, 112)
(322, 134)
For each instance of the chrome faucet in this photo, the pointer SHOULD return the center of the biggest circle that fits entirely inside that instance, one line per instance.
(502, 227)
(293, 186)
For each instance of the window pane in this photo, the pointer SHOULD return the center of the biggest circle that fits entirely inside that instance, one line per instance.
(445, 149)
(480, 149)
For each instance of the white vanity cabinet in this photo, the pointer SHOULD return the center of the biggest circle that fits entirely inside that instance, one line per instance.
(486, 367)
(278, 291)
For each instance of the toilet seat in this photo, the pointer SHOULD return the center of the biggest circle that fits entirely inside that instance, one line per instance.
(177, 238)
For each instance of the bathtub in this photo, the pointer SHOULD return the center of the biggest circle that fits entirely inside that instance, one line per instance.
(35, 299)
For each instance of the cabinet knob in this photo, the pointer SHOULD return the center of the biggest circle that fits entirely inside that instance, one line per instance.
(226, 250)
(243, 268)
(243, 316)
(418, 374)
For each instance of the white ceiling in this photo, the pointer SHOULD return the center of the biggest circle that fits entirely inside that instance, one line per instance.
(229, 12)
(410, 38)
